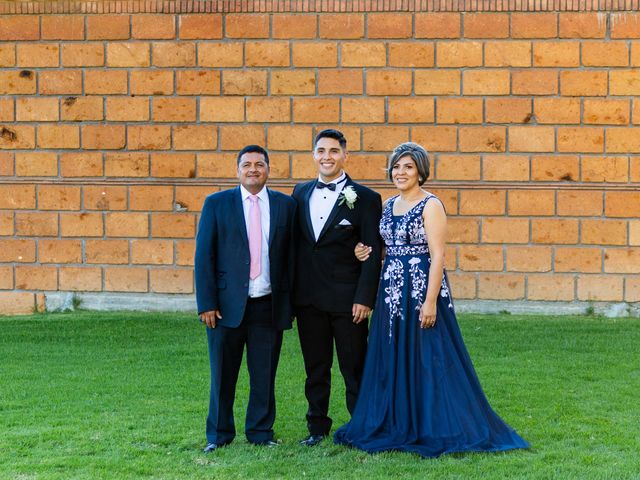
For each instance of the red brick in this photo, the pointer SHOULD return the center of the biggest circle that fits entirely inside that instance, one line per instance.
(132, 109)
(458, 167)
(36, 164)
(486, 25)
(580, 203)
(181, 54)
(222, 109)
(81, 224)
(313, 110)
(507, 54)
(171, 280)
(185, 251)
(127, 54)
(126, 224)
(267, 54)
(531, 202)
(108, 27)
(341, 25)
(108, 82)
(7, 107)
(153, 26)
(554, 231)
(632, 289)
(149, 137)
(635, 54)
(389, 25)
(62, 27)
(151, 198)
(17, 82)
(583, 83)
(107, 251)
(580, 139)
(6, 278)
(605, 54)
(16, 137)
(60, 82)
(237, 136)
(486, 82)
(58, 136)
(437, 82)
(634, 232)
(634, 171)
(19, 27)
(192, 197)
(6, 223)
(13, 250)
(80, 279)
(77, 109)
(606, 112)
(55, 197)
(551, 288)
(484, 258)
(600, 288)
(246, 26)
(17, 303)
(7, 55)
(363, 110)
(17, 197)
(505, 230)
(463, 285)
(556, 54)
(411, 54)
(265, 109)
(557, 110)
(528, 259)
(459, 54)
(126, 165)
(36, 224)
(534, 25)
(31, 109)
(6, 164)
(582, 25)
(623, 140)
(103, 197)
(347, 81)
(195, 137)
(83, 54)
(103, 137)
(505, 168)
(389, 82)
(436, 138)
(509, 110)
(603, 232)
(625, 25)
(411, 110)
(462, 230)
(39, 55)
(126, 279)
(383, 138)
(289, 137)
(198, 82)
(173, 225)
(482, 202)
(534, 82)
(221, 54)
(152, 252)
(174, 109)
(173, 165)
(546, 168)
(502, 286)
(219, 165)
(59, 251)
(200, 26)
(240, 82)
(622, 204)
(438, 25)
(605, 169)
(585, 260)
(315, 54)
(624, 82)
(482, 139)
(152, 82)
(294, 26)
(363, 54)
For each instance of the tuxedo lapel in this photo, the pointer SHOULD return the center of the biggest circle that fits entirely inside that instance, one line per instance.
(273, 216)
(237, 213)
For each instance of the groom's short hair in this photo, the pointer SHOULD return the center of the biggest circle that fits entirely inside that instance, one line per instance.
(252, 149)
(331, 133)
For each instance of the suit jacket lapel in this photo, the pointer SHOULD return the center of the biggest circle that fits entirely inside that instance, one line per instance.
(273, 216)
(334, 211)
(237, 214)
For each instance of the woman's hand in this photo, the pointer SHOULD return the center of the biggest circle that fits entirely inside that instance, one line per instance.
(427, 315)
(362, 251)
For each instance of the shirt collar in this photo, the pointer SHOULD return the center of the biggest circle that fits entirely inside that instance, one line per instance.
(262, 194)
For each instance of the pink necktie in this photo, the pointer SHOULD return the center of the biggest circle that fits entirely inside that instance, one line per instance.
(255, 236)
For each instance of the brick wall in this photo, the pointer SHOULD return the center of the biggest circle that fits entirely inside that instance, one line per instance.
(114, 127)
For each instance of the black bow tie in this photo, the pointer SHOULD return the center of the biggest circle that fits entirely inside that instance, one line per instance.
(330, 186)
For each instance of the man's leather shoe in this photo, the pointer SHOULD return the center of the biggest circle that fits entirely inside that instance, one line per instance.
(267, 443)
(213, 446)
(312, 440)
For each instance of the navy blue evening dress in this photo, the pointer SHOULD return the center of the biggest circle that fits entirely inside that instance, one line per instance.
(419, 391)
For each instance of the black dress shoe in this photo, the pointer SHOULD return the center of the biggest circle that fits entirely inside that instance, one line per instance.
(213, 446)
(312, 440)
(266, 443)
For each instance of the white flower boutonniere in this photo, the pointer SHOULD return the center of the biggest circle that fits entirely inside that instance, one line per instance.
(348, 196)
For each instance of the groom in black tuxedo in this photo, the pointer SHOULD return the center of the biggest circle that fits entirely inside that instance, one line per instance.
(243, 272)
(334, 292)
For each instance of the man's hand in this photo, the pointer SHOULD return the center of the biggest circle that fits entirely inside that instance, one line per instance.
(210, 318)
(360, 312)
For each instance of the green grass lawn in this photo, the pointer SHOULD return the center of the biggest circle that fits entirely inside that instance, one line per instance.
(124, 395)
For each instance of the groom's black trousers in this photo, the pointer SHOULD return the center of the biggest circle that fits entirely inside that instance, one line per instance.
(317, 331)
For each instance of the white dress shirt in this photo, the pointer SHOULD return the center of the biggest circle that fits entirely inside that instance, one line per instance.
(261, 285)
(322, 201)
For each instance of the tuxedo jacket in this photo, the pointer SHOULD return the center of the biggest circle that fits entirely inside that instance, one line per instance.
(328, 275)
(222, 259)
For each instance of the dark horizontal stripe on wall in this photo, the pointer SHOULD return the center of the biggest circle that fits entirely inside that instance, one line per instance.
(312, 6)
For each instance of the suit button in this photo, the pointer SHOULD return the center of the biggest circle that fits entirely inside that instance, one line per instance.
(246, 284)
(246, 262)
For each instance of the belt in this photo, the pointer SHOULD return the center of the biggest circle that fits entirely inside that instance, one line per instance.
(264, 298)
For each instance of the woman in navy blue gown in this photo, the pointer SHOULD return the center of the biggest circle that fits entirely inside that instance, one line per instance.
(419, 392)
